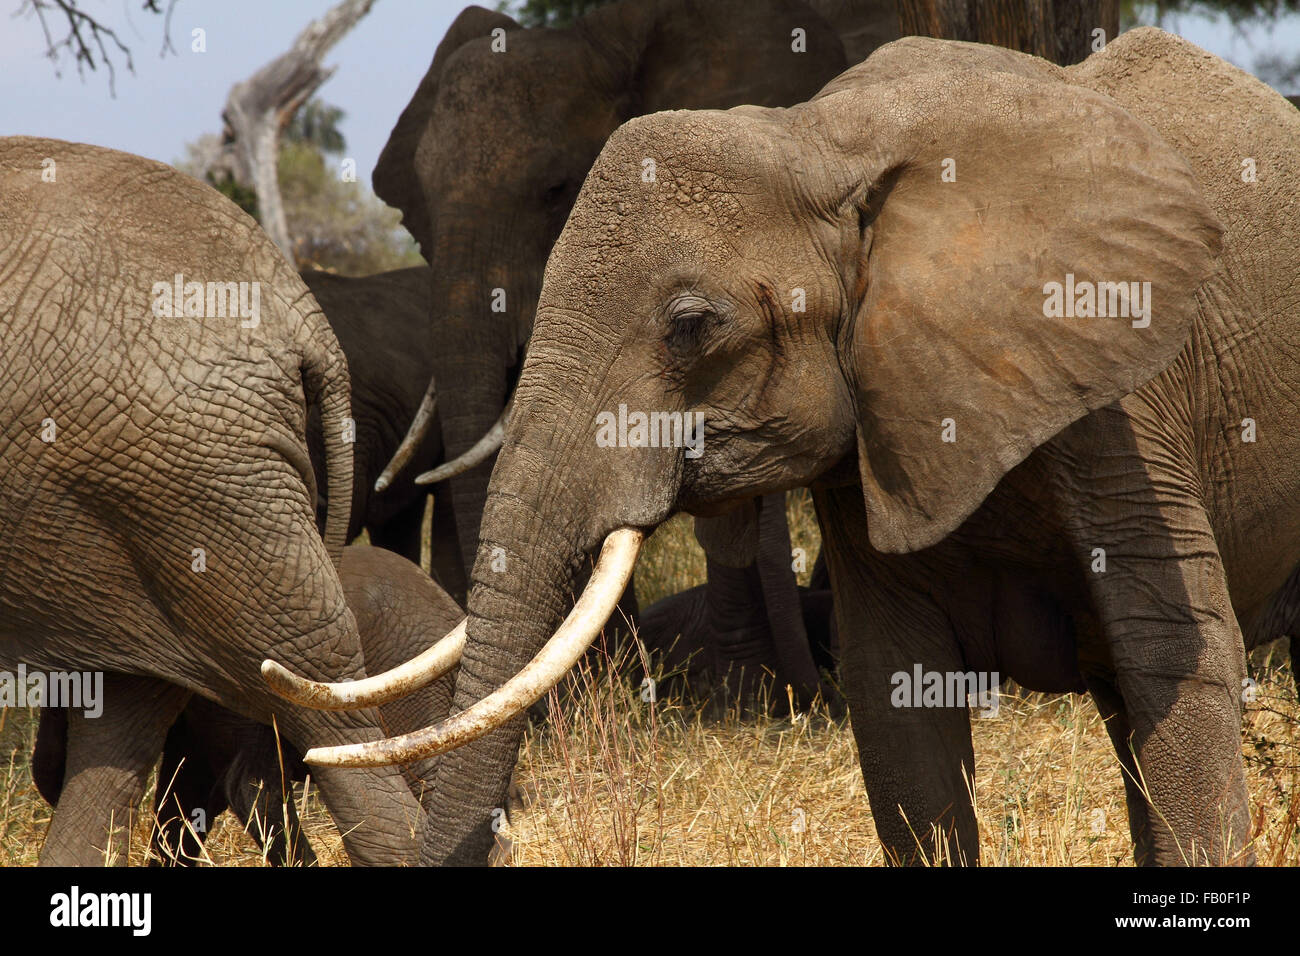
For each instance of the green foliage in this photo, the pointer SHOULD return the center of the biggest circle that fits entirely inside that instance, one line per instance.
(316, 124)
(335, 224)
(547, 13)
(242, 196)
(1237, 10)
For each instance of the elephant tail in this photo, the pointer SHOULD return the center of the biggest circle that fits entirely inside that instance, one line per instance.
(326, 385)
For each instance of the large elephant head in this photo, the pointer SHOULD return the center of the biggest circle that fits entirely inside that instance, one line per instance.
(814, 288)
(486, 160)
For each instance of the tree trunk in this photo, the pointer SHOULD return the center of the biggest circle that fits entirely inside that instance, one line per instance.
(262, 105)
(1056, 30)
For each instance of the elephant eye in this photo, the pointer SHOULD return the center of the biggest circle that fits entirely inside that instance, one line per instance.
(689, 306)
(688, 317)
(557, 191)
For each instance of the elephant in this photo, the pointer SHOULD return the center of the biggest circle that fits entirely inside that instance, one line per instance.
(214, 759)
(729, 643)
(1029, 335)
(380, 321)
(157, 513)
(723, 640)
(711, 641)
(485, 161)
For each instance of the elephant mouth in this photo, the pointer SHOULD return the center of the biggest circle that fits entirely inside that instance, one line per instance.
(594, 606)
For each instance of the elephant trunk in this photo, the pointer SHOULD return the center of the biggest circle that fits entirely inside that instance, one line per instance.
(481, 451)
(523, 583)
(467, 413)
(474, 348)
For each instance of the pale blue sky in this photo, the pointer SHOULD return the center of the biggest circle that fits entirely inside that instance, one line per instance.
(173, 100)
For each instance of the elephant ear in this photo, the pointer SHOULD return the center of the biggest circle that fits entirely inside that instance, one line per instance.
(969, 203)
(717, 54)
(395, 180)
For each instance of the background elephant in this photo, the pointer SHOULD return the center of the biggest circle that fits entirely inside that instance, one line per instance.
(381, 322)
(750, 632)
(1003, 484)
(712, 641)
(156, 495)
(214, 759)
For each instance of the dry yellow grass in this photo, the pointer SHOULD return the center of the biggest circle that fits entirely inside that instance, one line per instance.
(781, 792)
(617, 780)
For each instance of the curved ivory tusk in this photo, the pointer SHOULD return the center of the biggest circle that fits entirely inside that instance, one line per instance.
(369, 691)
(597, 602)
(483, 449)
(414, 436)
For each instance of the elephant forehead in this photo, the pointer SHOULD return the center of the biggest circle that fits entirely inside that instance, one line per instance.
(498, 116)
(679, 184)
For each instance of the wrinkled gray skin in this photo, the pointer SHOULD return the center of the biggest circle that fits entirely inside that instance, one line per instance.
(171, 435)
(214, 759)
(486, 160)
(925, 302)
(381, 322)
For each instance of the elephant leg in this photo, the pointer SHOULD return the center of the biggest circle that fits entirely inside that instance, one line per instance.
(215, 760)
(739, 648)
(784, 607)
(1179, 658)
(107, 767)
(187, 799)
(261, 796)
(260, 792)
(918, 762)
(401, 533)
(1111, 707)
(375, 810)
(1180, 661)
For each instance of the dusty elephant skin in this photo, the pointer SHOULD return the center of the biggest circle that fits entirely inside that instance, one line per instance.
(214, 759)
(486, 160)
(1000, 486)
(156, 496)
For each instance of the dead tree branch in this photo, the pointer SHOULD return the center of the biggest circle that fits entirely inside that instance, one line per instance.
(259, 108)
